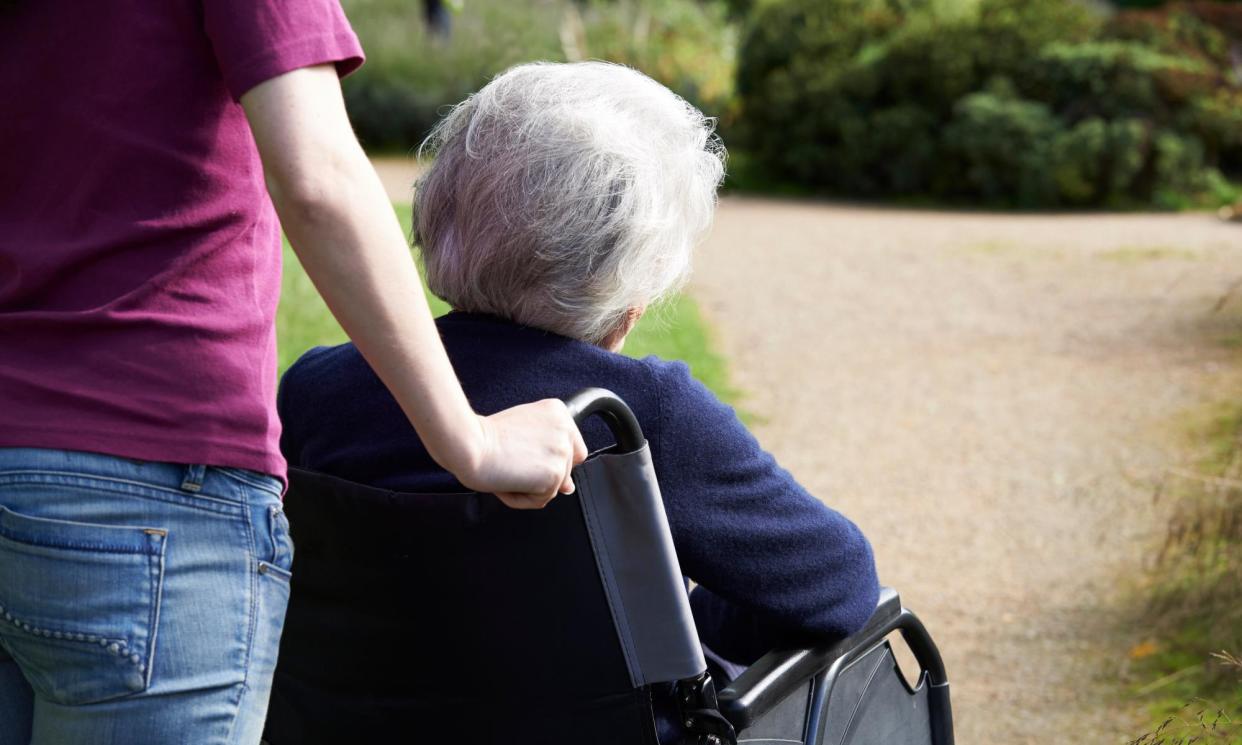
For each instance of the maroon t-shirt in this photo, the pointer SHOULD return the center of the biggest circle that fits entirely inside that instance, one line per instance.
(139, 252)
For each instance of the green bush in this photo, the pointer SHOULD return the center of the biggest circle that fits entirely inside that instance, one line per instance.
(1217, 121)
(690, 47)
(1096, 160)
(1027, 103)
(396, 97)
(1109, 78)
(1205, 35)
(1004, 143)
(411, 75)
(1155, 3)
(858, 96)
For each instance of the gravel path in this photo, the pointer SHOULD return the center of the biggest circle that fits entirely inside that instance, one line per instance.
(992, 399)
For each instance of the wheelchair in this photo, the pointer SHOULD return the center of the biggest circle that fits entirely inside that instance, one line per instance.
(577, 623)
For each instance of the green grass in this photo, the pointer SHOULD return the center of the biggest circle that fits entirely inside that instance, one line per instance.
(1193, 607)
(674, 330)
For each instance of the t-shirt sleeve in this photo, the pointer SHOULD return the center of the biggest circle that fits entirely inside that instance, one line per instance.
(774, 564)
(256, 40)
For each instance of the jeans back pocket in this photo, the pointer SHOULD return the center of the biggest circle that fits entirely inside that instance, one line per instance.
(79, 605)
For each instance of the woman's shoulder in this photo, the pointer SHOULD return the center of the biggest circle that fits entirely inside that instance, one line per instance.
(690, 416)
(319, 360)
(680, 392)
(323, 371)
(330, 399)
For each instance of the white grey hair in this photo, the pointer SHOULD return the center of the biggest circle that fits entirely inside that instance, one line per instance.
(562, 195)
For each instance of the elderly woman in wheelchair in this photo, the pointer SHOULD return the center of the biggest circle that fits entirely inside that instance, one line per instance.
(564, 200)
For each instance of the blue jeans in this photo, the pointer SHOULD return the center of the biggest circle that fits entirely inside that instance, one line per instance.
(140, 603)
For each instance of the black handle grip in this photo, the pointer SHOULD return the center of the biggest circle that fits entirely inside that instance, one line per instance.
(615, 413)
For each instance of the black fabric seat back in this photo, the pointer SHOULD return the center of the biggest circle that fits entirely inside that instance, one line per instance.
(461, 620)
(424, 608)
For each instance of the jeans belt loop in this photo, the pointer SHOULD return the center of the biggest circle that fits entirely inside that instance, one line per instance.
(193, 480)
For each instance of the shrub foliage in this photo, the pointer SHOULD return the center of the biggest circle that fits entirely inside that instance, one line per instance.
(1027, 103)
(412, 74)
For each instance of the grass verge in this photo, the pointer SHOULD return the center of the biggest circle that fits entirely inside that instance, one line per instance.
(1187, 672)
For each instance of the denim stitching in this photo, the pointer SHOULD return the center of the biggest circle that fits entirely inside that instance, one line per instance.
(254, 592)
(249, 480)
(4, 475)
(242, 690)
(253, 604)
(281, 550)
(135, 488)
(118, 647)
(102, 548)
(13, 536)
(157, 592)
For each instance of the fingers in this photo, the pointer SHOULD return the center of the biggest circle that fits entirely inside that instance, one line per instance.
(525, 501)
(567, 484)
(575, 453)
(578, 453)
(533, 450)
(580, 448)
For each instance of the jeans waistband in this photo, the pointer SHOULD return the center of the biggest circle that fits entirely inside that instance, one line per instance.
(219, 482)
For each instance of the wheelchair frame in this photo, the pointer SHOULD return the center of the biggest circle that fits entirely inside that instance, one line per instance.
(750, 709)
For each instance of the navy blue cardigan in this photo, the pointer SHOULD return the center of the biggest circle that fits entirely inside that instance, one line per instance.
(774, 565)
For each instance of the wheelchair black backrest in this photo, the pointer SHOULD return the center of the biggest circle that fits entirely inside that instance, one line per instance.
(461, 620)
(451, 618)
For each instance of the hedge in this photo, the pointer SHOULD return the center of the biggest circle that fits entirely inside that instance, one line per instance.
(411, 75)
(1029, 103)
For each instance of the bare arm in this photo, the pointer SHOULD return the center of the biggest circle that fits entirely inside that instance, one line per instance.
(347, 237)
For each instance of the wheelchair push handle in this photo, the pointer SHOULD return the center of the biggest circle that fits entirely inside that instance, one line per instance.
(616, 414)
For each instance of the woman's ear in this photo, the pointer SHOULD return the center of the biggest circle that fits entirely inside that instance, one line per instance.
(632, 317)
(615, 341)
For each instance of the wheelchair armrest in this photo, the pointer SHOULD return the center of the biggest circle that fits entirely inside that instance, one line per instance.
(780, 672)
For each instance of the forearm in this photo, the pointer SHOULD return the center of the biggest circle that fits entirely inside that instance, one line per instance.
(832, 605)
(344, 231)
(782, 566)
(773, 563)
(347, 237)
